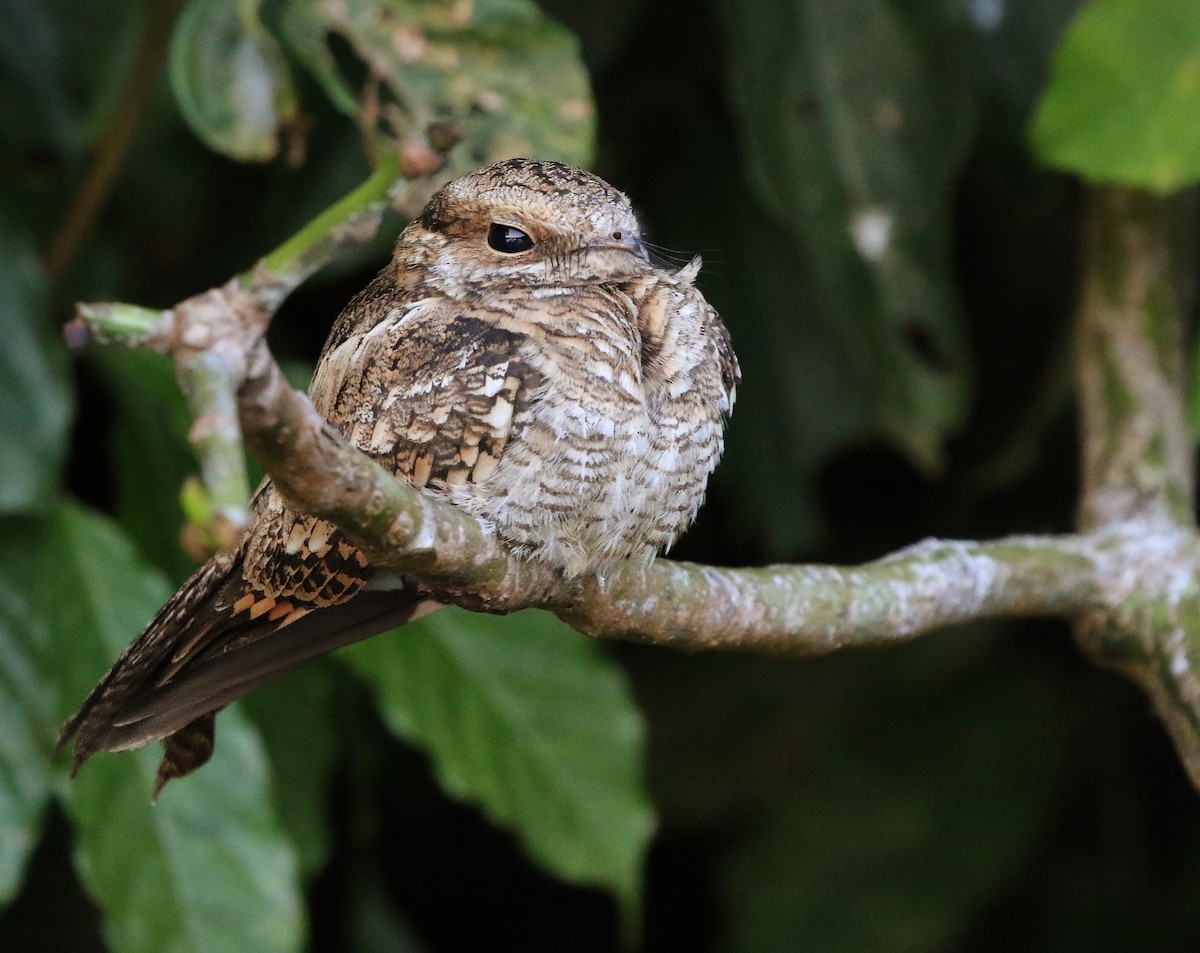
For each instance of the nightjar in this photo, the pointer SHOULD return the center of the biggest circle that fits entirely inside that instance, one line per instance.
(520, 356)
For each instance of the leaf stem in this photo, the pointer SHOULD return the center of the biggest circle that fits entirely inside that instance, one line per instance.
(355, 217)
(211, 335)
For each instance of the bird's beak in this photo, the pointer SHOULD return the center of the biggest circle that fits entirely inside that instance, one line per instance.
(631, 244)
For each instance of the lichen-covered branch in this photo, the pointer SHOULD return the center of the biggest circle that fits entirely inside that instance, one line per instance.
(1129, 579)
(803, 610)
(790, 609)
(814, 610)
(210, 386)
(1137, 453)
(1138, 470)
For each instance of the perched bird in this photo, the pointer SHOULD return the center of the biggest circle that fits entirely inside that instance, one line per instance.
(520, 356)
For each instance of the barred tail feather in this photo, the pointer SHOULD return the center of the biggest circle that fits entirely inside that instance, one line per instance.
(197, 655)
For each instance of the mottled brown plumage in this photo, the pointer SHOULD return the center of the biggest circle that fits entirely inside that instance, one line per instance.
(520, 356)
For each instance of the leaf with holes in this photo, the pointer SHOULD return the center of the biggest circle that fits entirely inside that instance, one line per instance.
(506, 73)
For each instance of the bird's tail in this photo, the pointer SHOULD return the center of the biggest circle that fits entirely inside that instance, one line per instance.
(214, 641)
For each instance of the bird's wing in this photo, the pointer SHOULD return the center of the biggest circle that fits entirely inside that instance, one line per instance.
(434, 392)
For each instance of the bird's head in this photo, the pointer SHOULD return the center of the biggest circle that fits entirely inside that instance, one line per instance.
(524, 223)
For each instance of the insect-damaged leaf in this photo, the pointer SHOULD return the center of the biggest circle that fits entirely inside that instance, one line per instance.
(503, 71)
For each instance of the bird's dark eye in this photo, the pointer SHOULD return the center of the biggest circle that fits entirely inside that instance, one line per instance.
(507, 239)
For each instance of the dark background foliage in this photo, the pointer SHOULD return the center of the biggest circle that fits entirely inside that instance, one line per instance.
(984, 789)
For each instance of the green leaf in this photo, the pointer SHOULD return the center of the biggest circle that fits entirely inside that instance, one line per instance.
(529, 720)
(1123, 102)
(204, 869)
(35, 389)
(510, 76)
(301, 752)
(914, 823)
(230, 79)
(25, 710)
(855, 120)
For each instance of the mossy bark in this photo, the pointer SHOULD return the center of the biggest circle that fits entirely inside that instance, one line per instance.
(1130, 579)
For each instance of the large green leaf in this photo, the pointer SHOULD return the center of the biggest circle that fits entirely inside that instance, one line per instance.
(25, 706)
(230, 78)
(855, 120)
(35, 390)
(1123, 103)
(510, 76)
(204, 869)
(529, 720)
(301, 752)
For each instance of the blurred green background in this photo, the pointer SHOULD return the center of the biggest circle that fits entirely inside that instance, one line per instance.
(897, 264)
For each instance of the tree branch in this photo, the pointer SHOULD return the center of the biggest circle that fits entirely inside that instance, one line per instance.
(211, 335)
(1137, 453)
(1138, 470)
(804, 610)
(1129, 579)
(815, 610)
